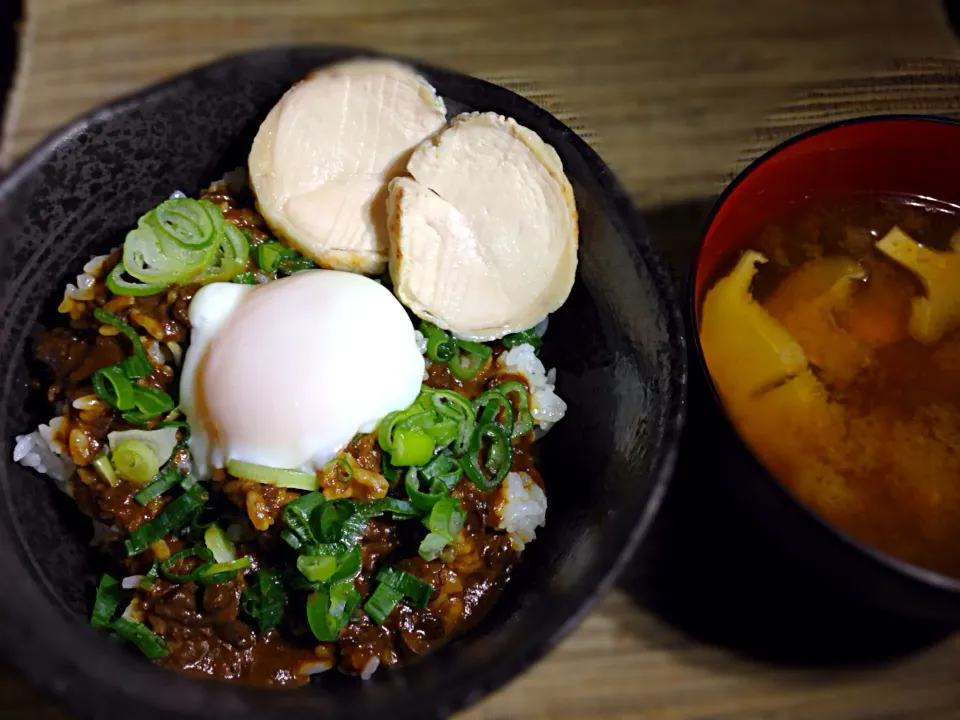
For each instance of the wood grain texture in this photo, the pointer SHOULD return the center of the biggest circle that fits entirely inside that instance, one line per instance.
(676, 95)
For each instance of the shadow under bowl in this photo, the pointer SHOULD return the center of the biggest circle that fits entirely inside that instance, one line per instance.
(618, 346)
(906, 155)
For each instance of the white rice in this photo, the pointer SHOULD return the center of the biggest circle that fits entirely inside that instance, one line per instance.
(521, 509)
(546, 406)
(131, 582)
(83, 290)
(41, 451)
(421, 341)
(315, 668)
(370, 668)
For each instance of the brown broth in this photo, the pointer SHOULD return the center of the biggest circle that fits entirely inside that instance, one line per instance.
(872, 440)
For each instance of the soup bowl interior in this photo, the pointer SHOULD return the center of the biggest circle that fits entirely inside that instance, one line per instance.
(885, 155)
(617, 345)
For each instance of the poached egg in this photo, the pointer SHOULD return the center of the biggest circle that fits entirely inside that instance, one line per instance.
(285, 374)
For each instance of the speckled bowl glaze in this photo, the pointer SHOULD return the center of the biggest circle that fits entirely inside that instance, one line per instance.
(617, 343)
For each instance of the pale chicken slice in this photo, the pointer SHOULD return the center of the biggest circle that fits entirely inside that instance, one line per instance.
(321, 160)
(483, 237)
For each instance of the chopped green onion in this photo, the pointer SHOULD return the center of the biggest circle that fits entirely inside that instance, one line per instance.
(119, 285)
(527, 337)
(155, 253)
(150, 403)
(297, 514)
(329, 609)
(475, 348)
(106, 602)
(444, 468)
(113, 387)
(181, 240)
(382, 602)
(400, 509)
(411, 447)
(440, 348)
(446, 518)
(390, 471)
(289, 266)
(271, 254)
(454, 406)
(199, 552)
(150, 644)
(231, 257)
(492, 405)
(171, 518)
(223, 572)
(101, 463)
(465, 365)
(524, 419)
(348, 566)
(138, 365)
(150, 579)
(423, 500)
(219, 545)
(410, 586)
(273, 476)
(346, 469)
(264, 598)
(317, 568)
(158, 487)
(135, 462)
(161, 440)
(498, 458)
(444, 523)
(190, 223)
(291, 539)
(245, 278)
(432, 546)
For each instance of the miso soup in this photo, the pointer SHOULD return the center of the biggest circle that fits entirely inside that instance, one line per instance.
(833, 339)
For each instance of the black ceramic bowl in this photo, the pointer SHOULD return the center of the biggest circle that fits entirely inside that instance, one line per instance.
(617, 343)
(895, 154)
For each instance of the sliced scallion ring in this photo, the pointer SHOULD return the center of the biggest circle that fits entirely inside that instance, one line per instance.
(523, 422)
(223, 572)
(135, 462)
(150, 644)
(219, 544)
(273, 476)
(200, 552)
(191, 223)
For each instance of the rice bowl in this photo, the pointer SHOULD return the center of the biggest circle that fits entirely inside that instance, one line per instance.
(365, 498)
(622, 314)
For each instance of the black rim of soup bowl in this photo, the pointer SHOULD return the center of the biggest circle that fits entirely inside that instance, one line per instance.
(624, 296)
(861, 570)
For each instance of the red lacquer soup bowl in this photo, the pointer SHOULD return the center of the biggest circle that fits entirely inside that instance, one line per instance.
(911, 156)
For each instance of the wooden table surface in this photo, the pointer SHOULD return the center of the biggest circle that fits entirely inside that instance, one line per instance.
(675, 94)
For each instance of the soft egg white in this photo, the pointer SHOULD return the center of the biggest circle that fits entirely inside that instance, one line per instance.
(285, 374)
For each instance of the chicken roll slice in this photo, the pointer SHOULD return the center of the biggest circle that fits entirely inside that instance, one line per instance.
(321, 160)
(483, 236)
